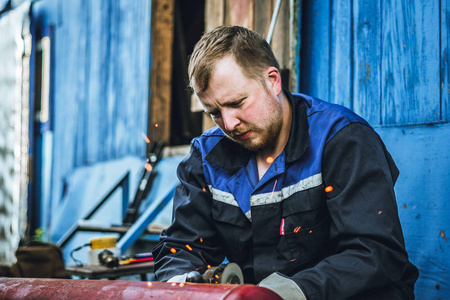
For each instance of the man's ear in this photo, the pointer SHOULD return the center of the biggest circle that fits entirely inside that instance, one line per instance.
(274, 78)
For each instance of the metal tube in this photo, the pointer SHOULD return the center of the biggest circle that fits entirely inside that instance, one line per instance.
(273, 21)
(38, 288)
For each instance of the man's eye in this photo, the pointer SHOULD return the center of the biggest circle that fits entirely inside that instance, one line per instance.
(238, 103)
(215, 114)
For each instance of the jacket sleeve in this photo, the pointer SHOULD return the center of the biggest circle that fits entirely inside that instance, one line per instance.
(367, 246)
(191, 242)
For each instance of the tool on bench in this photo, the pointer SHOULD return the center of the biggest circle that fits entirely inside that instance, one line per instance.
(229, 273)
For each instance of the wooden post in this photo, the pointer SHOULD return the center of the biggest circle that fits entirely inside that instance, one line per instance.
(161, 71)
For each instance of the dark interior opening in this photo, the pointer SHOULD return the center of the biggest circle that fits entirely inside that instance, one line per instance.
(189, 25)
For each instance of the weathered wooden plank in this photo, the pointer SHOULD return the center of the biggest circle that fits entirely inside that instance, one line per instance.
(131, 102)
(214, 16)
(239, 12)
(161, 72)
(97, 74)
(315, 50)
(68, 88)
(410, 62)
(444, 67)
(281, 36)
(262, 10)
(366, 59)
(423, 157)
(340, 53)
(214, 13)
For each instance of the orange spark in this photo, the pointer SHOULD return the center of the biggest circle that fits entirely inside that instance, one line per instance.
(310, 231)
(380, 212)
(149, 283)
(328, 189)
(204, 189)
(174, 283)
(189, 247)
(156, 125)
(269, 160)
(148, 167)
(217, 276)
(173, 250)
(297, 229)
(181, 284)
(147, 140)
(208, 266)
(201, 240)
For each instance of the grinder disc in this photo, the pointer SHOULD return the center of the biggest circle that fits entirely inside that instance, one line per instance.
(232, 274)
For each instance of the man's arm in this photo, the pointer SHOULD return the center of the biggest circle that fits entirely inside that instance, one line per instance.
(365, 235)
(191, 242)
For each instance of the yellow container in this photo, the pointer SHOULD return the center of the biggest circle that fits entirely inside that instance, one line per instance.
(103, 242)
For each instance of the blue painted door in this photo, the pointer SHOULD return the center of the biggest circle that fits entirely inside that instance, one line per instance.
(388, 61)
(100, 67)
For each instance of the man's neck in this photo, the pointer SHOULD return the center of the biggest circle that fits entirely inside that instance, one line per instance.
(264, 158)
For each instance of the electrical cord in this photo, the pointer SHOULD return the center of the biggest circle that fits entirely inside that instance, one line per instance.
(78, 262)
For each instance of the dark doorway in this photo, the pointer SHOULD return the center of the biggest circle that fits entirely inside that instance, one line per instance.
(189, 25)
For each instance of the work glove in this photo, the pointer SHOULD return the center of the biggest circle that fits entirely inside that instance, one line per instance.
(285, 287)
(193, 276)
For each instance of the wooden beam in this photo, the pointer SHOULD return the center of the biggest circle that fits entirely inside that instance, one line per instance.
(161, 71)
(214, 16)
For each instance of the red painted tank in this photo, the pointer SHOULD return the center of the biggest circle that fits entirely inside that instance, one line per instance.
(34, 288)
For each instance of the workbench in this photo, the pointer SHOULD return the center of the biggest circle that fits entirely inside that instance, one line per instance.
(101, 272)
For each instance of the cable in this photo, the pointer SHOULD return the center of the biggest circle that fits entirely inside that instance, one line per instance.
(78, 262)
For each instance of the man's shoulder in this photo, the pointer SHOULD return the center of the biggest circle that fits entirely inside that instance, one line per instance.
(326, 113)
(208, 140)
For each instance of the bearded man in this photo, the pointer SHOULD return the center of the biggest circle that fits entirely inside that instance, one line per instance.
(297, 191)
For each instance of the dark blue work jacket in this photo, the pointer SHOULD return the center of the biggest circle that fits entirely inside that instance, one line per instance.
(324, 214)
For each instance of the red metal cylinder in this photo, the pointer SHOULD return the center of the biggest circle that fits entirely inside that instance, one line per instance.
(37, 288)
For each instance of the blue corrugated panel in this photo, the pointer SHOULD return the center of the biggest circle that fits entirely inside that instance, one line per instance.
(388, 61)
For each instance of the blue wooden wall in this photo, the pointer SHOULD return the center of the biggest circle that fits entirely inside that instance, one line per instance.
(100, 87)
(388, 61)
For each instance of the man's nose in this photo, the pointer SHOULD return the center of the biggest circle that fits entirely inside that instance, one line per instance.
(230, 119)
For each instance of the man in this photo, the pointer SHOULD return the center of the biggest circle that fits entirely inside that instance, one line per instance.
(298, 192)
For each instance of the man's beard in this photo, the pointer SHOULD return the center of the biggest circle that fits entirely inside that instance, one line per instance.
(267, 137)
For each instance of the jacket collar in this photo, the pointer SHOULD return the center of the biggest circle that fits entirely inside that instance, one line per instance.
(298, 140)
(237, 156)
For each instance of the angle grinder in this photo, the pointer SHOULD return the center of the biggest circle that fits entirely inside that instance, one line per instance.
(222, 274)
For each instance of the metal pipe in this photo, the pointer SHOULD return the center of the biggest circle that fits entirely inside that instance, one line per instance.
(38, 288)
(273, 21)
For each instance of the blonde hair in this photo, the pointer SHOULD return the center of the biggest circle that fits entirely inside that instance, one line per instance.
(250, 51)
